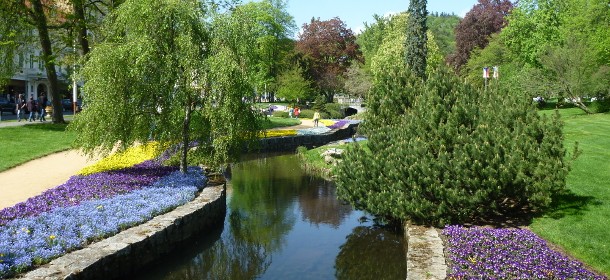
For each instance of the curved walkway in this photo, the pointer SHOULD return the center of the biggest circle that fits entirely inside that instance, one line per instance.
(36, 176)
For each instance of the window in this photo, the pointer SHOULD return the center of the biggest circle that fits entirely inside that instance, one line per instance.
(31, 61)
(40, 63)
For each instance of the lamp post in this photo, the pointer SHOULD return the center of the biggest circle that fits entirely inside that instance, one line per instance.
(74, 86)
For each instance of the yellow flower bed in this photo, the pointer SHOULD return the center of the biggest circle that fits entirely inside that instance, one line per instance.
(128, 158)
(277, 133)
(327, 122)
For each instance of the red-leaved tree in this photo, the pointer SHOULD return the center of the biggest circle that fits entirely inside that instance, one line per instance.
(486, 18)
(328, 48)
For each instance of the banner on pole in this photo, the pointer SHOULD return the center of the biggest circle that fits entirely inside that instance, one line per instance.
(496, 72)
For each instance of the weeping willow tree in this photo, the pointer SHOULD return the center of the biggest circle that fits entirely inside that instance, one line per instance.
(164, 72)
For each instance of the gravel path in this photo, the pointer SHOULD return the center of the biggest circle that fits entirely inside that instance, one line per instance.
(34, 177)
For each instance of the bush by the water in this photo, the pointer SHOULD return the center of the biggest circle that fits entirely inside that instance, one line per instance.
(455, 153)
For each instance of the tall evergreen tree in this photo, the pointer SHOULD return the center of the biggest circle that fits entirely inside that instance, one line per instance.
(416, 50)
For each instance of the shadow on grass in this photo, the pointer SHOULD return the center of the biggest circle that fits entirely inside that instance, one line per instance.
(568, 203)
(563, 204)
(46, 127)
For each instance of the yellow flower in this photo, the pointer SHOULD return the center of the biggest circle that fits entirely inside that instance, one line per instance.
(52, 237)
(100, 207)
(278, 133)
(128, 158)
(26, 230)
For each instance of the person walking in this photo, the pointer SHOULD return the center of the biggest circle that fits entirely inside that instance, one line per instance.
(20, 103)
(297, 112)
(42, 104)
(31, 107)
(316, 118)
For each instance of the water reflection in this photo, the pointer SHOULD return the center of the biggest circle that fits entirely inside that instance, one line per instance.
(319, 205)
(283, 224)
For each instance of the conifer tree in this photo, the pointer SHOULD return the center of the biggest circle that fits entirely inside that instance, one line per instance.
(416, 51)
(455, 154)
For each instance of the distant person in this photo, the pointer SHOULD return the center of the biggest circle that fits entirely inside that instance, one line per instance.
(297, 112)
(31, 108)
(290, 112)
(21, 106)
(42, 104)
(316, 118)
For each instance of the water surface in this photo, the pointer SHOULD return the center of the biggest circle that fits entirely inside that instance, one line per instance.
(283, 224)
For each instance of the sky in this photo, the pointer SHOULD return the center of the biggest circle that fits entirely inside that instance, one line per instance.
(355, 12)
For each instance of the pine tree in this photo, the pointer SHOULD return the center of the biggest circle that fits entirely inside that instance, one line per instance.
(416, 51)
(455, 154)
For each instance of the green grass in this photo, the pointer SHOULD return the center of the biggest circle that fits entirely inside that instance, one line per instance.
(274, 122)
(579, 220)
(20, 144)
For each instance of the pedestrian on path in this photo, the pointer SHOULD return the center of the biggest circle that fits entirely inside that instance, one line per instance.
(31, 108)
(316, 118)
(42, 104)
(297, 112)
(20, 103)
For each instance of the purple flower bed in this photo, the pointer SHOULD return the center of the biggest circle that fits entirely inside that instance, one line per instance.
(34, 240)
(485, 253)
(338, 124)
(83, 188)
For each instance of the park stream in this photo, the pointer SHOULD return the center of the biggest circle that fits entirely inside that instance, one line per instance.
(282, 223)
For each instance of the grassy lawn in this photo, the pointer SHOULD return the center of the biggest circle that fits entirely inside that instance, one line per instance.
(21, 144)
(579, 221)
(274, 122)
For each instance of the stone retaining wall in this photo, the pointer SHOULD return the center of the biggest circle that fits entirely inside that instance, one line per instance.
(123, 254)
(291, 143)
(425, 256)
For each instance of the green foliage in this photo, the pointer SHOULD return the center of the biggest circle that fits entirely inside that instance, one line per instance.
(600, 106)
(416, 37)
(167, 72)
(293, 86)
(319, 103)
(552, 49)
(358, 80)
(306, 113)
(454, 154)
(333, 111)
(267, 27)
(443, 26)
(390, 54)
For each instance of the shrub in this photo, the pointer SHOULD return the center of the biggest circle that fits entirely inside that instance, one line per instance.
(600, 106)
(307, 114)
(280, 114)
(334, 110)
(457, 153)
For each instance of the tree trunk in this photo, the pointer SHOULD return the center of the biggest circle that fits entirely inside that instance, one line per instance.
(80, 25)
(185, 136)
(40, 21)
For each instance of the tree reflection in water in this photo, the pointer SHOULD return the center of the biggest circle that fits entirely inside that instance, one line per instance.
(284, 224)
(371, 252)
(320, 205)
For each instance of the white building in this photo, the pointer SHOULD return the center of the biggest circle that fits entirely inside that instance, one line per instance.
(31, 77)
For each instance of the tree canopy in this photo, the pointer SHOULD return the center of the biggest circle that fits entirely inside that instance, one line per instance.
(167, 72)
(485, 18)
(328, 48)
(416, 38)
